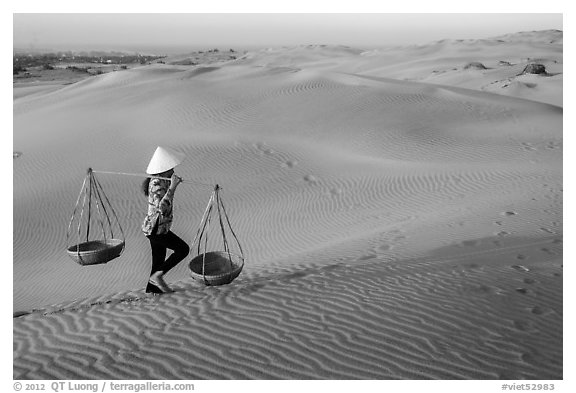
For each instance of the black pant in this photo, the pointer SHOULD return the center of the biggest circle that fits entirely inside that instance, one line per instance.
(159, 244)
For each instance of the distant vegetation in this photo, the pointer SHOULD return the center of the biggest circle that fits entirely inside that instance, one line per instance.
(22, 61)
(18, 68)
(45, 65)
(77, 69)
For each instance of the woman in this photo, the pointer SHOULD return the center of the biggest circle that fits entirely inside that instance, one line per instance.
(156, 226)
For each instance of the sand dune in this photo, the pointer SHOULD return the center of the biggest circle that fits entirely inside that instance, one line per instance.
(394, 229)
(445, 62)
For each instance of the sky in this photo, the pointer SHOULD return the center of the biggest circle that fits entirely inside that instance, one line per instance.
(182, 31)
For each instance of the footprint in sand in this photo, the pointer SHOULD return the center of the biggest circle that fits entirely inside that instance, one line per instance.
(520, 268)
(100, 338)
(509, 213)
(263, 148)
(396, 235)
(290, 164)
(127, 356)
(296, 275)
(481, 289)
(536, 310)
(528, 146)
(310, 179)
(529, 281)
(521, 257)
(251, 289)
(503, 234)
(547, 231)
(527, 357)
(523, 291)
(329, 268)
(384, 247)
(367, 257)
(508, 376)
(523, 325)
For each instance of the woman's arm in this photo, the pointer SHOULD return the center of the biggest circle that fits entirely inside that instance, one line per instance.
(162, 195)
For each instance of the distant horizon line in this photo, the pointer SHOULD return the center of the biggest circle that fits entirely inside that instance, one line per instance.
(177, 49)
(140, 49)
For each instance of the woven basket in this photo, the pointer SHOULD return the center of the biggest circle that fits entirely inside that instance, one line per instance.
(220, 267)
(96, 251)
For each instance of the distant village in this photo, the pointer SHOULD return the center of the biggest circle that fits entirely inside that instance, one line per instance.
(22, 62)
(41, 66)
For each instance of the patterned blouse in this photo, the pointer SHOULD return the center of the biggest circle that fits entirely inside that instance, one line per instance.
(160, 198)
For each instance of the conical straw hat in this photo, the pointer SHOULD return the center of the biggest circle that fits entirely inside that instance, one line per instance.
(164, 159)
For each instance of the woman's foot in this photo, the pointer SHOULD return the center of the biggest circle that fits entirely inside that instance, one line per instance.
(156, 284)
(151, 288)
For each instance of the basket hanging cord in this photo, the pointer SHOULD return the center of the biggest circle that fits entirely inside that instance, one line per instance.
(91, 176)
(205, 222)
(231, 230)
(102, 196)
(82, 216)
(100, 201)
(226, 248)
(202, 233)
(99, 211)
(68, 233)
(206, 242)
(200, 229)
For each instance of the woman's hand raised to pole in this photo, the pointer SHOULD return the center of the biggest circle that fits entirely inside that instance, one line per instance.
(174, 181)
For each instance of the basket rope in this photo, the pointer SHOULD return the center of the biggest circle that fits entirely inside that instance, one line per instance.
(207, 212)
(100, 218)
(230, 226)
(226, 248)
(89, 205)
(68, 233)
(206, 246)
(80, 220)
(101, 190)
